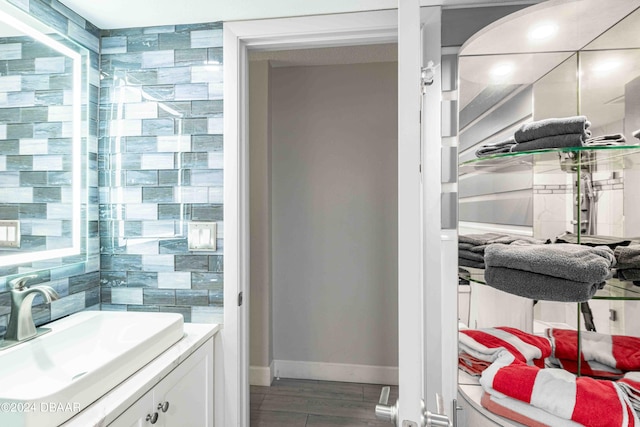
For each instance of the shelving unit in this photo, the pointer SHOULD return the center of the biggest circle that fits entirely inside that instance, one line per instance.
(587, 63)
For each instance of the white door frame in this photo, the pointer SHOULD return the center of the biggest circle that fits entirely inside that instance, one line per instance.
(287, 33)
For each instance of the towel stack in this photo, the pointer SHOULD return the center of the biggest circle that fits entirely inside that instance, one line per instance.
(496, 147)
(603, 356)
(605, 140)
(628, 262)
(478, 348)
(559, 272)
(471, 247)
(552, 133)
(554, 397)
(593, 240)
(549, 133)
(517, 386)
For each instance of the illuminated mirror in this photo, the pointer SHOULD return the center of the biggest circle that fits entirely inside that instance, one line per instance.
(43, 140)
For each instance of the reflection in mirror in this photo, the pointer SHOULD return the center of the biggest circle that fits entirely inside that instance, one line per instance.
(586, 194)
(42, 86)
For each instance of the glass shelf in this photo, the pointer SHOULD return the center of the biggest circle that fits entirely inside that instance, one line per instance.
(568, 159)
(613, 290)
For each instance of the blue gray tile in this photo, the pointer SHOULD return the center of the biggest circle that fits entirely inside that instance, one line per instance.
(141, 177)
(207, 143)
(159, 92)
(191, 263)
(184, 57)
(142, 279)
(142, 43)
(173, 40)
(194, 126)
(191, 91)
(159, 296)
(192, 297)
(174, 280)
(206, 38)
(174, 75)
(10, 51)
(157, 194)
(126, 296)
(207, 280)
(157, 59)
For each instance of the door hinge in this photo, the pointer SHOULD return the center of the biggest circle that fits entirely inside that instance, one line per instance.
(427, 76)
(239, 299)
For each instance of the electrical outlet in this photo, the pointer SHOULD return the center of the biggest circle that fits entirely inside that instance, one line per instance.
(202, 236)
(9, 234)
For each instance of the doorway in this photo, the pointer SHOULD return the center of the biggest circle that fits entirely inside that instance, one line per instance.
(239, 38)
(323, 154)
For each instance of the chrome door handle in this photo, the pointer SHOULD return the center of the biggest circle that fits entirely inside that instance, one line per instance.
(435, 420)
(384, 411)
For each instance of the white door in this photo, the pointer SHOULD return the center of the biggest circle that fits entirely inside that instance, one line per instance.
(427, 246)
(427, 252)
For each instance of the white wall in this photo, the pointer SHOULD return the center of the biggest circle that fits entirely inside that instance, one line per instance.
(260, 349)
(334, 214)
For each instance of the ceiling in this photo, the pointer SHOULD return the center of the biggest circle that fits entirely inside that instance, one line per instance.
(110, 14)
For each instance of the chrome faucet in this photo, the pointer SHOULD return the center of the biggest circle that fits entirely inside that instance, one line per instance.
(21, 326)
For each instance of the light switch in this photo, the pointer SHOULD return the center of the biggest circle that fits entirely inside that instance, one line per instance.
(202, 236)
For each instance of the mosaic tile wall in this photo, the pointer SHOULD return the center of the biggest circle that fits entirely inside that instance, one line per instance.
(34, 133)
(160, 166)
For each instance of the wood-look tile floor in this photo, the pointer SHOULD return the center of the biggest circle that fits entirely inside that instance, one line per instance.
(309, 403)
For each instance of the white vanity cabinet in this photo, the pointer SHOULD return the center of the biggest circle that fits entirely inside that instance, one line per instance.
(183, 398)
(176, 389)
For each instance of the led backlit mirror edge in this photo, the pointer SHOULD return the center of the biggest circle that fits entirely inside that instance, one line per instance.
(18, 20)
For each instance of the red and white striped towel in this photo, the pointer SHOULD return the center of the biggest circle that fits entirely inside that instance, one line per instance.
(584, 400)
(630, 384)
(603, 355)
(478, 348)
(523, 413)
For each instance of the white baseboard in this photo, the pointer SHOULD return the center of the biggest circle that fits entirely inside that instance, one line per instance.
(261, 375)
(386, 375)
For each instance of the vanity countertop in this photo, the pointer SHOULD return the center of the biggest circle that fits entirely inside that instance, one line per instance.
(106, 409)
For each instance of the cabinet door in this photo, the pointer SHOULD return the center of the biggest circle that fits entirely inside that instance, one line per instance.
(136, 415)
(185, 397)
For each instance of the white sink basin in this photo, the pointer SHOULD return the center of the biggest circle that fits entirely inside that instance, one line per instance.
(47, 380)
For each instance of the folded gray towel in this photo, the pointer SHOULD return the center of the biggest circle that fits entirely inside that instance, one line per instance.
(480, 241)
(564, 260)
(512, 238)
(468, 263)
(611, 139)
(627, 256)
(473, 256)
(466, 246)
(636, 133)
(628, 274)
(479, 238)
(551, 127)
(486, 152)
(538, 286)
(495, 147)
(548, 142)
(594, 240)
